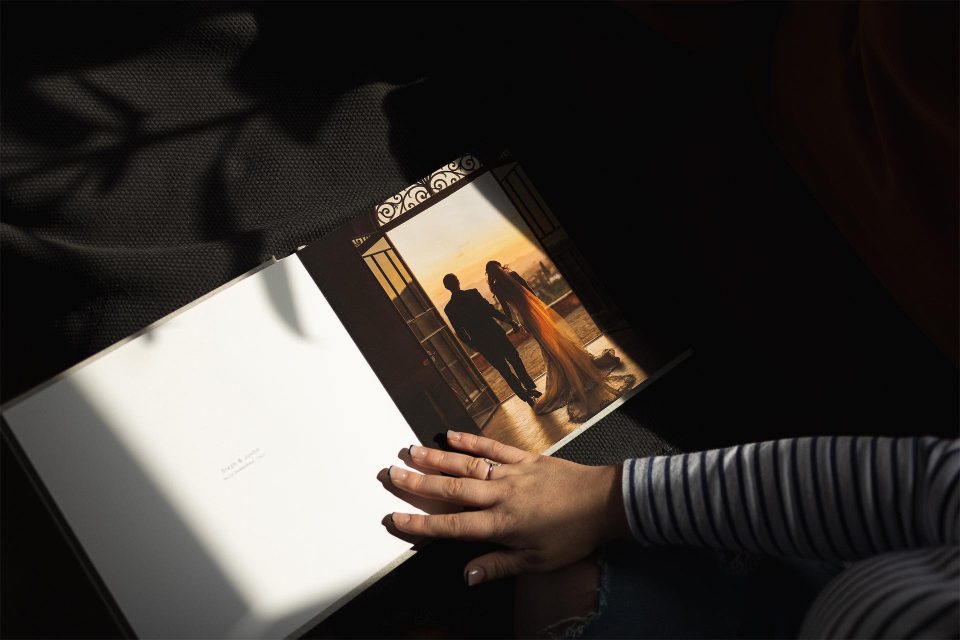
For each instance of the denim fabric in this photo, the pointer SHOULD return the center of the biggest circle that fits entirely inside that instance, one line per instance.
(669, 592)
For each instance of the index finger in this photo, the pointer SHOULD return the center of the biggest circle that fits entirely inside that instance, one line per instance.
(496, 451)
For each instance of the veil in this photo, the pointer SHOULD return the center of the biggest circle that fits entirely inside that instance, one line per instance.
(575, 378)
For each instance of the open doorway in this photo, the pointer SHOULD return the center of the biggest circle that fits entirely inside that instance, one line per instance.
(493, 216)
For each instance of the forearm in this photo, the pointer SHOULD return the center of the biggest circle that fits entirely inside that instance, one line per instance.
(831, 497)
(502, 317)
(505, 316)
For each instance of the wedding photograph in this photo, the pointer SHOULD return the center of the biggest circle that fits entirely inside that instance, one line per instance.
(510, 332)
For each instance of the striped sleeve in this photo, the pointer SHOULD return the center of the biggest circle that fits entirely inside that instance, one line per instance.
(903, 594)
(835, 498)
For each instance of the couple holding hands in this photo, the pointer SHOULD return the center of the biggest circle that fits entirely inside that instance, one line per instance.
(574, 377)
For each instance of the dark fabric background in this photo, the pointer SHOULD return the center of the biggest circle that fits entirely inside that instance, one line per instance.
(154, 151)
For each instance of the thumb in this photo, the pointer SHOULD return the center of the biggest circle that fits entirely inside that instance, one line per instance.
(492, 566)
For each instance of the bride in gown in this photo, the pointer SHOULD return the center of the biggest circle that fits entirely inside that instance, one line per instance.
(575, 378)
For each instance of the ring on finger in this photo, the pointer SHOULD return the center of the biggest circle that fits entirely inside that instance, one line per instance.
(490, 465)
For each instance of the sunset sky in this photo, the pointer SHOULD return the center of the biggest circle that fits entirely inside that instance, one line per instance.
(460, 234)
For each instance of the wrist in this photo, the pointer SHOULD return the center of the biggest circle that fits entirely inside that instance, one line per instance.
(616, 526)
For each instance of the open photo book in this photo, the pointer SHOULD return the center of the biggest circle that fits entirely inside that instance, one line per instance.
(216, 472)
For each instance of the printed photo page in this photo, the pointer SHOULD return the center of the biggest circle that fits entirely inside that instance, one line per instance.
(478, 313)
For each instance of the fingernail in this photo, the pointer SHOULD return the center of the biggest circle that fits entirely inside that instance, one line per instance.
(417, 452)
(401, 518)
(474, 576)
(453, 435)
(396, 473)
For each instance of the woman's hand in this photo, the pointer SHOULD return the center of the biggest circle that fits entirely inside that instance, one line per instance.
(548, 512)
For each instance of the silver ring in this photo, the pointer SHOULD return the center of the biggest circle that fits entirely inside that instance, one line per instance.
(491, 464)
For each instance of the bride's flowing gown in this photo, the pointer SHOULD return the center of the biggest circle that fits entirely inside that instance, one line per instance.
(575, 378)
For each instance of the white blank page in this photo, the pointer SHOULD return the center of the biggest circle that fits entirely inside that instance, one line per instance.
(220, 469)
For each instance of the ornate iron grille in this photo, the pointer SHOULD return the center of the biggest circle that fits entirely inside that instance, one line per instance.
(421, 190)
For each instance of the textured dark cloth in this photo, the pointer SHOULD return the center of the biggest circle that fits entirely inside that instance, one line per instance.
(151, 152)
(160, 151)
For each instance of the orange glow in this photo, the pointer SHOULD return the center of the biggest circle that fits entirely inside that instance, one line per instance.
(460, 234)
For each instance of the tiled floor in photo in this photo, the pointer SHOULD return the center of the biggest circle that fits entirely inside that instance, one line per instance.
(515, 423)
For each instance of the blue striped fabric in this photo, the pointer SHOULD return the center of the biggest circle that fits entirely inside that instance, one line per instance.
(886, 507)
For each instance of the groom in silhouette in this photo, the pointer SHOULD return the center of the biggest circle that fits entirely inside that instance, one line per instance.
(473, 319)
